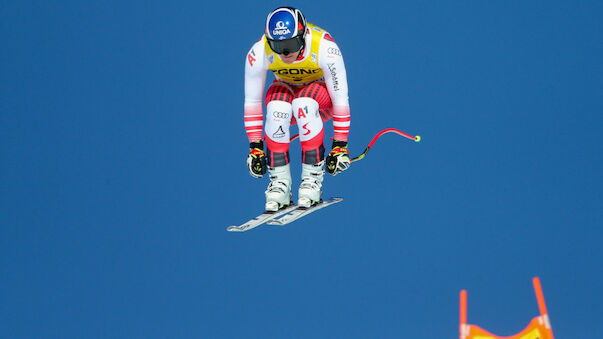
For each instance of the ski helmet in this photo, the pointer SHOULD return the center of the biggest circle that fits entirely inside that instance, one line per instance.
(286, 30)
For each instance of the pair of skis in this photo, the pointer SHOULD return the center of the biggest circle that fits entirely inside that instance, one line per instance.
(283, 216)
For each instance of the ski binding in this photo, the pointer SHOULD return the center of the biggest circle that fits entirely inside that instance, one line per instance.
(302, 211)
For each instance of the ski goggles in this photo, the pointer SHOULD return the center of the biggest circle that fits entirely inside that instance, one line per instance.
(286, 47)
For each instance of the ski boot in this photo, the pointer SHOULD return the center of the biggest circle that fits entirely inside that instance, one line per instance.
(311, 184)
(278, 194)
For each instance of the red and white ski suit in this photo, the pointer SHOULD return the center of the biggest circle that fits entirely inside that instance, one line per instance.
(307, 92)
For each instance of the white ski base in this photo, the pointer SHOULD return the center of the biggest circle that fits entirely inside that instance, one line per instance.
(261, 219)
(301, 211)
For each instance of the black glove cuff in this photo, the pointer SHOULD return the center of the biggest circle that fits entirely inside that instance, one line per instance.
(257, 144)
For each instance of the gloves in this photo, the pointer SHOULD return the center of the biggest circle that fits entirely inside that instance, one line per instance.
(338, 159)
(256, 160)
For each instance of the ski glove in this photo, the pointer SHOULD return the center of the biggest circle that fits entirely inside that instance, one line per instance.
(338, 159)
(256, 160)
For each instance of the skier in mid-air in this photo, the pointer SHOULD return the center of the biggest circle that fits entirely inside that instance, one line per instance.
(310, 88)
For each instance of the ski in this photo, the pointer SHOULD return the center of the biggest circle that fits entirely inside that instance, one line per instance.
(261, 219)
(301, 211)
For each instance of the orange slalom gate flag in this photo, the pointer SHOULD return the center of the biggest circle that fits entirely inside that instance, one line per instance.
(538, 328)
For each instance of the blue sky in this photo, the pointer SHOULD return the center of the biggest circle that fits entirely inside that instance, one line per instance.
(123, 161)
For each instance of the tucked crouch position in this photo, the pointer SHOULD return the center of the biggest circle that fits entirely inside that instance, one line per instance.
(310, 88)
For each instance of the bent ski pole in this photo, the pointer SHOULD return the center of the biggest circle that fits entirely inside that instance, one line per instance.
(387, 130)
(416, 138)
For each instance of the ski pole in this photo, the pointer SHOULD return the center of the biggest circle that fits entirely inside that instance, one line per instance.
(416, 138)
(387, 130)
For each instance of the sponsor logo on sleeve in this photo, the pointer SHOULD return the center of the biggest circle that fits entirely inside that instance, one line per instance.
(333, 71)
(250, 57)
(333, 51)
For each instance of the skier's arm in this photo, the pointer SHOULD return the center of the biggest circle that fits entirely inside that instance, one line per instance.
(330, 61)
(255, 81)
